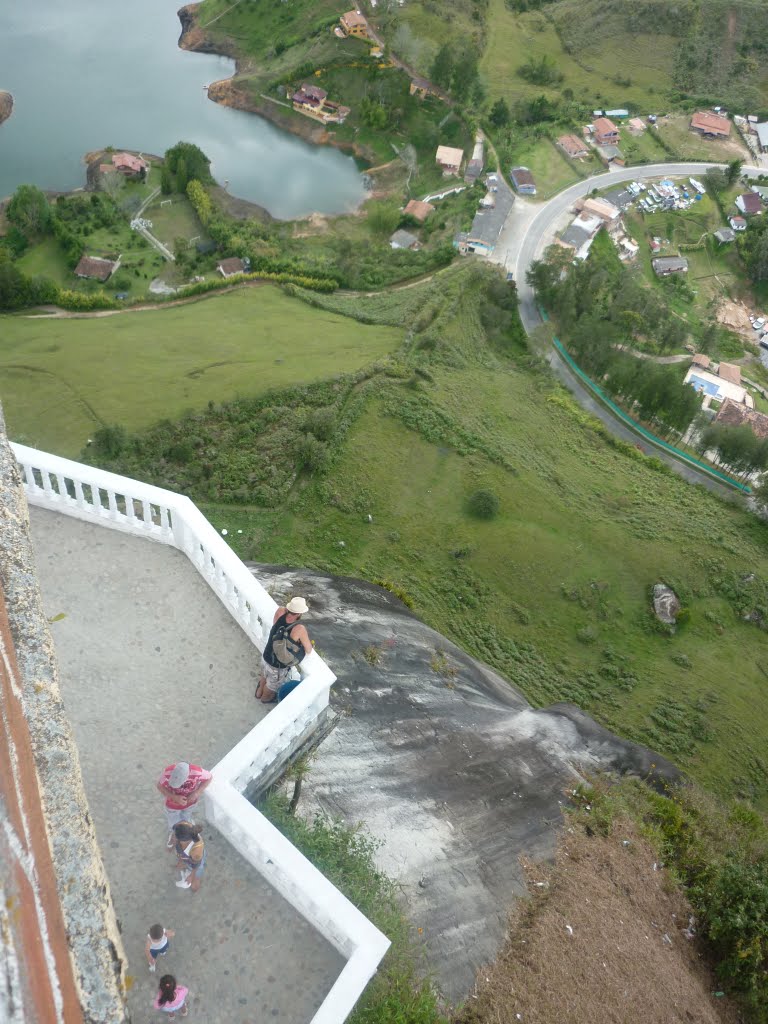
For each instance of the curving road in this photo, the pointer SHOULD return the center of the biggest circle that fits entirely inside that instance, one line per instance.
(530, 229)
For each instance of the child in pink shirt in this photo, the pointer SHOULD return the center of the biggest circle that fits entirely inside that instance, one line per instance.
(171, 997)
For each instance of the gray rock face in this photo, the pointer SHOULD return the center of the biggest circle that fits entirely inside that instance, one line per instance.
(446, 763)
(666, 604)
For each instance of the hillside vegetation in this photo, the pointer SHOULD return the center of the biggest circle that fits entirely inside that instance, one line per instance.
(61, 380)
(549, 579)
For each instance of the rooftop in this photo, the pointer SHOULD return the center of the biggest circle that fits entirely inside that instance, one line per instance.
(522, 176)
(419, 209)
(96, 268)
(710, 123)
(403, 240)
(488, 221)
(573, 145)
(730, 372)
(731, 414)
(604, 126)
(449, 156)
(173, 678)
(749, 202)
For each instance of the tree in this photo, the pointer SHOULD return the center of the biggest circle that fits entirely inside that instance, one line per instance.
(757, 258)
(733, 170)
(543, 71)
(715, 179)
(464, 76)
(182, 175)
(14, 286)
(29, 211)
(442, 67)
(382, 219)
(201, 202)
(196, 163)
(166, 180)
(112, 183)
(500, 114)
(483, 504)
(109, 441)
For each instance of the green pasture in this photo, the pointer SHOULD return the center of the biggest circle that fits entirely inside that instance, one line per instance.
(554, 592)
(551, 170)
(591, 72)
(61, 379)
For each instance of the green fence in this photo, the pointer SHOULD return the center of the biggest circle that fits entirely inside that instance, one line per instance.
(633, 425)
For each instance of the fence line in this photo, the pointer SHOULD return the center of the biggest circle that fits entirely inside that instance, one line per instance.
(634, 425)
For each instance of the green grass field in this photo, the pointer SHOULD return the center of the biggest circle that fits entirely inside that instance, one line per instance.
(590, 72)
(555, 591)
(47, 260)
(61, 379)
(176, 220)
(690, 146)
(551, 171)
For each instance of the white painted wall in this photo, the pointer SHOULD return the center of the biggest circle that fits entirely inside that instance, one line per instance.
(119, 503)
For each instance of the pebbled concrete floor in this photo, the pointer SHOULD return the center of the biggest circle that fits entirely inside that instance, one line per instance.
(154, 669)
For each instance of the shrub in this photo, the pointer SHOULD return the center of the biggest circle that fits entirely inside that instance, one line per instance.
(313, 454)
(399, 992)
(109, 441)
(483, 505)
(321, 423)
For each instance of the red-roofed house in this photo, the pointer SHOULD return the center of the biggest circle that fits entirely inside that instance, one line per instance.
(705, 122)
(95, 268)
(572, 146)
(418, 209)
(749, 203)
(605, 132)
(129, 165)
(732, 414)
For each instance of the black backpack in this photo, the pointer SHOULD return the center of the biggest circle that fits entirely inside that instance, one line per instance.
(285, 651)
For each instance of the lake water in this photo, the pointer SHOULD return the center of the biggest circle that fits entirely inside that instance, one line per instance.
(91, 73)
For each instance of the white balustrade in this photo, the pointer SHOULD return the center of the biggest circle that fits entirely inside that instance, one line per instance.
(168, 518)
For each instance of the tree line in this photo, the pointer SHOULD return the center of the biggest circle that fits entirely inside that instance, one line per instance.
(602, 311)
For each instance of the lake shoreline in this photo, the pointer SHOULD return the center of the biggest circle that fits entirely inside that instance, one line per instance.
(6, 105)
(225, 91)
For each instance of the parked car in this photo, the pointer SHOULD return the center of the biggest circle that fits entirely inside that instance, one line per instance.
(759, 324)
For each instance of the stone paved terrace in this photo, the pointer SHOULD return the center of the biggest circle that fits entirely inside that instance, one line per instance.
(153, 669)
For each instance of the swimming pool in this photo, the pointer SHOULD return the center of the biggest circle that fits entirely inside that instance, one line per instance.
(706, 387)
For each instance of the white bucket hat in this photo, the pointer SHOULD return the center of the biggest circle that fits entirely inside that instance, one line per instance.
(179, 775)
(297, 606)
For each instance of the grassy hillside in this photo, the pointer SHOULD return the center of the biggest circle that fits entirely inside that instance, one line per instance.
(553, 591)
(61, 379)
(644, 54)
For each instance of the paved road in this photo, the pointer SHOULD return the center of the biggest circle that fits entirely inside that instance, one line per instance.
(531, 228)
